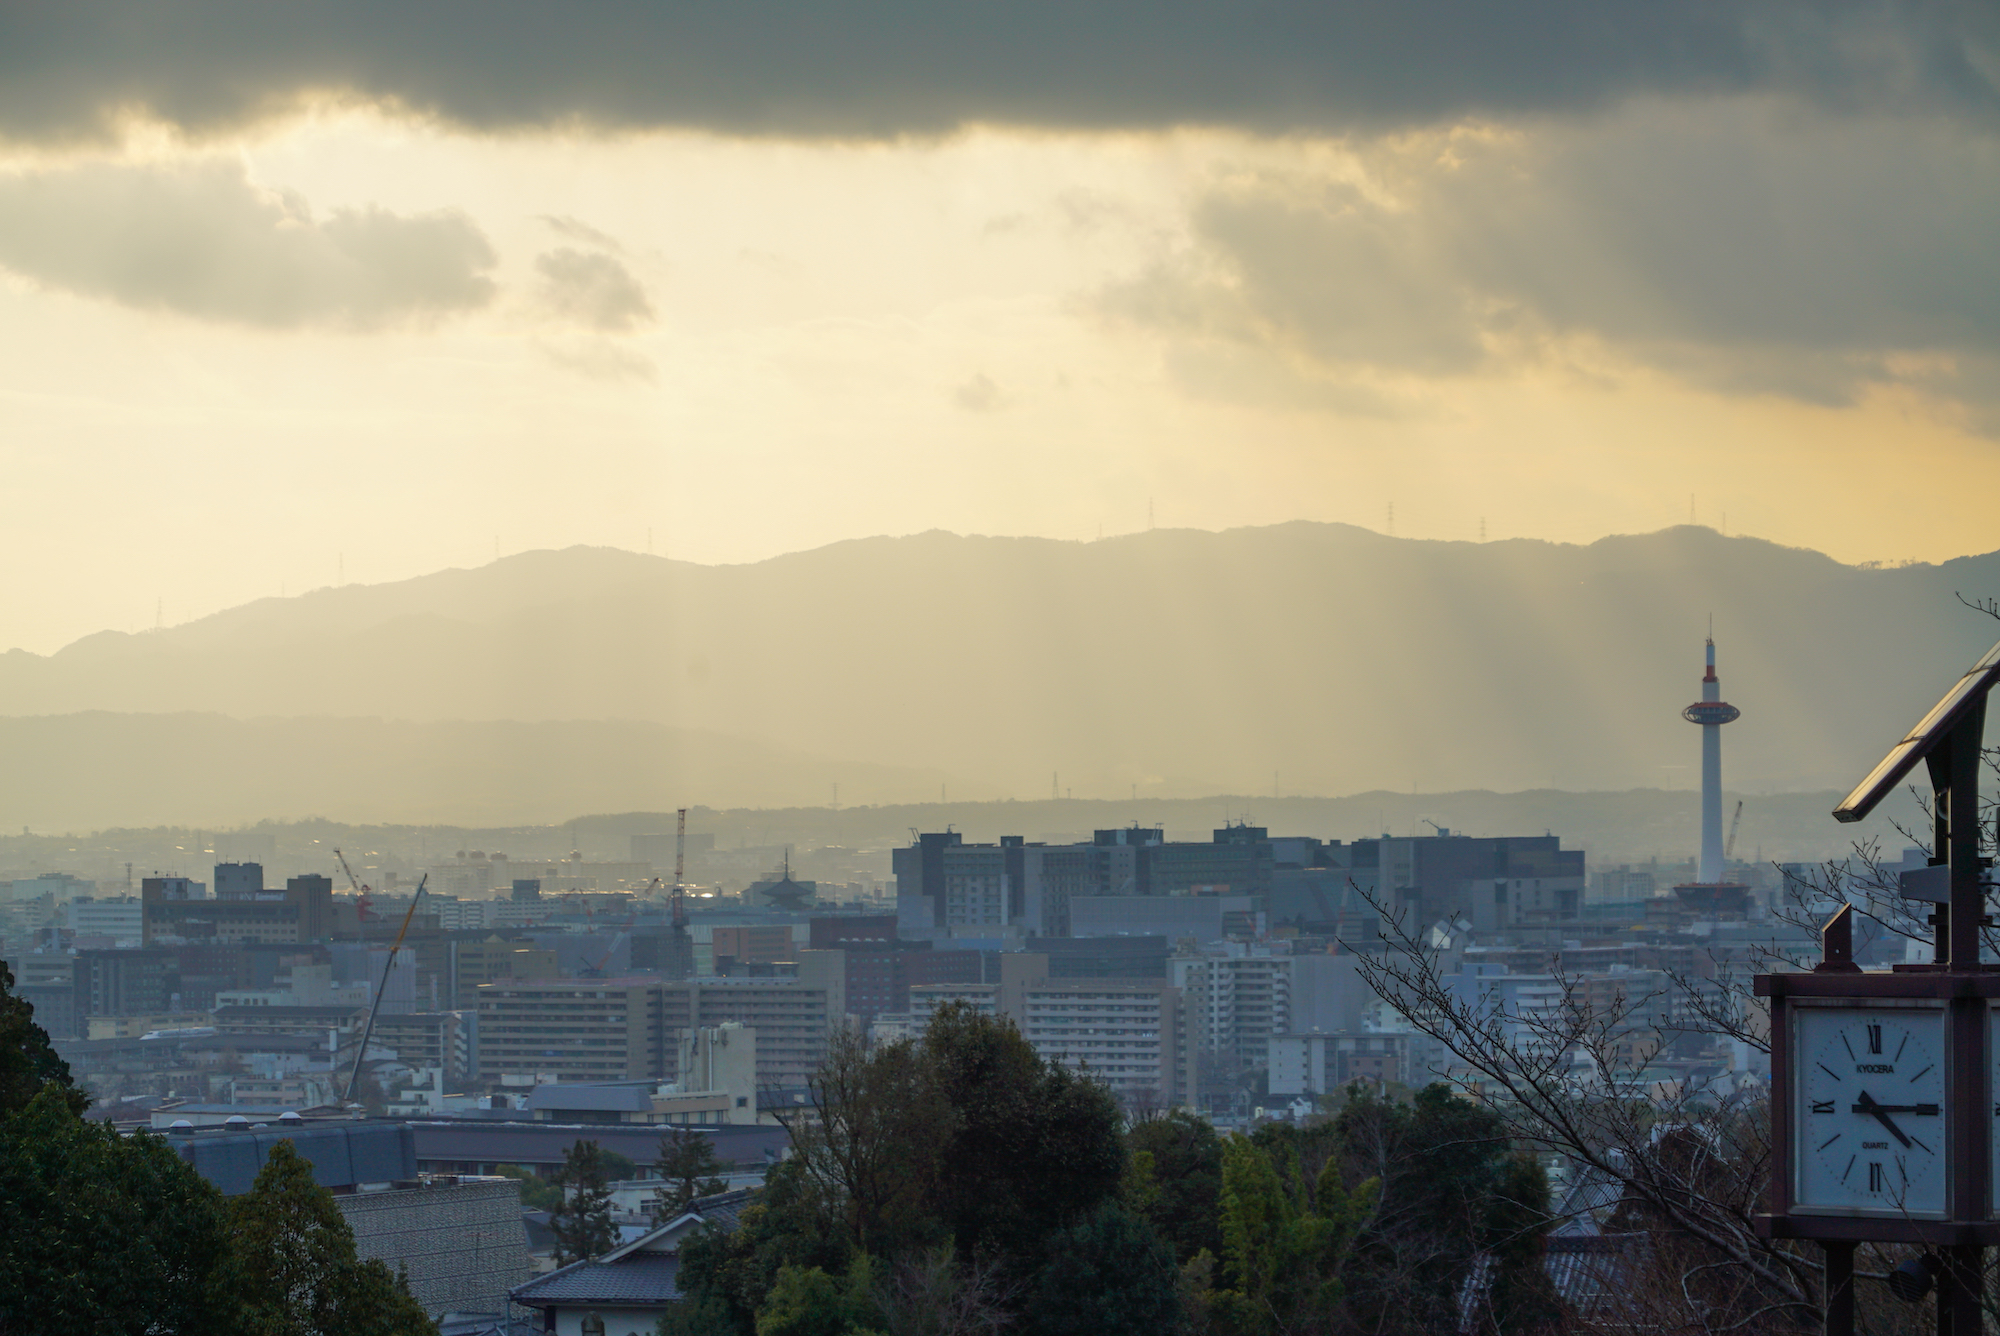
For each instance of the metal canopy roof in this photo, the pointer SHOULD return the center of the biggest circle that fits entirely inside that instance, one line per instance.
(1931, 730)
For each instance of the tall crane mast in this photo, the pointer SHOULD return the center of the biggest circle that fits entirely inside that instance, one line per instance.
(680, 871)
(1729, 845)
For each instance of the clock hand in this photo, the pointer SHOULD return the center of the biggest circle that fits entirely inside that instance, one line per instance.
(1930, 1110)
(1863, 1104)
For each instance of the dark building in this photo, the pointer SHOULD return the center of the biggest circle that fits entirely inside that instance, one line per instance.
(55, 1008)
(141, 982)
(1239, 859)
(1103, 957)
(173, 907)
(665, 950)
(1500, 882)
(852, 930)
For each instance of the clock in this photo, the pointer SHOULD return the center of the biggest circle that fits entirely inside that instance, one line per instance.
(1868, 1110)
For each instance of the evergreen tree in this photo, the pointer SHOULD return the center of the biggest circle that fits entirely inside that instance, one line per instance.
(1286, 1245)
(537, 1193)
(1033, 1145)
(103, 1232)
(581, 1221)
(806, 1301)
(27, 1060)
(688, 1169)
(1186, 1159)
(1108, 1275)
(1450, 1192)
(293, 1269)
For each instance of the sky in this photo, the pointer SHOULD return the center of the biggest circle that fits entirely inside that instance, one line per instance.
(317, 293)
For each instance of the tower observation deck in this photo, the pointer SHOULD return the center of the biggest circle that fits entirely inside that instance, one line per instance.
(1711, 712)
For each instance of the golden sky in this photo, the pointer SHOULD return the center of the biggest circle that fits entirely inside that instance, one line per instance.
(361, 300)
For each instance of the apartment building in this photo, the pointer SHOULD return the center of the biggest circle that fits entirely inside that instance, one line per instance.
(1235, 1003)
(628, 1029)
(1125, 1030)
(1128, 1031)
(1316, 1064)
(574, 1030)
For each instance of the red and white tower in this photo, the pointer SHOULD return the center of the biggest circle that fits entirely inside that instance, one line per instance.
(1711, 712)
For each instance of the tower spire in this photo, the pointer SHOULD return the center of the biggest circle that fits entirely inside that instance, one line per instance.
(1711, 712)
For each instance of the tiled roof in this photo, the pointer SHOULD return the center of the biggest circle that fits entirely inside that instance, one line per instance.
(724, 1209)
(641, 1278)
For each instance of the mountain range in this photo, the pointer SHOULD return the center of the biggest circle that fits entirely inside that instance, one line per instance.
(1292, 659)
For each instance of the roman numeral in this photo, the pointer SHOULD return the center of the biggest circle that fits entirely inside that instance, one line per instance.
(1826, 1106)
(1874, 1177)
(1874, 1039)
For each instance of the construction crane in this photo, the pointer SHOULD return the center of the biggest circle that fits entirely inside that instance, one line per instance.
(375, 1004)
(1729, 845)
(361, 900)
(683, 961)
(596, 970)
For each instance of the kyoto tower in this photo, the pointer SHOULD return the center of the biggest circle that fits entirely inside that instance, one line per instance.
(1711, 712)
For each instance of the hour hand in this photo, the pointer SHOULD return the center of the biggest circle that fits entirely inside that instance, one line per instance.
(1863, 1104)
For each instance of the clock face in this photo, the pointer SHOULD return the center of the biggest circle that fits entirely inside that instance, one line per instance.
(1868, 1096)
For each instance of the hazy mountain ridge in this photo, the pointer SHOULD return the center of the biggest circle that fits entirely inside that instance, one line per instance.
(96, 770)
(1169, 662)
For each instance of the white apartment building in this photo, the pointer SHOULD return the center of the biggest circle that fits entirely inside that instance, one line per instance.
(1234, 1003)
(1124, 1030)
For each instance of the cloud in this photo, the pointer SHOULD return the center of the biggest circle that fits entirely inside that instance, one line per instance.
(595, 291)
(979, 395)
(573, 229)
(882, 68)
(202, 240)
(1732, 244)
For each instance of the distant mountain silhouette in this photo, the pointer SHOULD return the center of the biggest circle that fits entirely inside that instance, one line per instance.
(1298, 658)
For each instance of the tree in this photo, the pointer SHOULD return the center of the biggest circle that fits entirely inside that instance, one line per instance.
(727, 1277)
(104, 1232)
(1285, 1245)
(27, 1060)
(537, 1193)
(1568, 1078)
(1109, 1274)
(581, 1220)
(1033, 1145)
(806, 1301)
(689, 1169)
(293, 1269)
(876, 1140)
(1186, 1158)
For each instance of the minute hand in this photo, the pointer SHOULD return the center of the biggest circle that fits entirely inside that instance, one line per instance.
(1863, 1104)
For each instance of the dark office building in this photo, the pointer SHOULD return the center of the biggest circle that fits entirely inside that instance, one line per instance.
(1103, 957)
(143, 982)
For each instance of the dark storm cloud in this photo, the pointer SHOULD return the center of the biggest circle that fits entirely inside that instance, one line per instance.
(202, 240)
(1732, 244)
(918, 66)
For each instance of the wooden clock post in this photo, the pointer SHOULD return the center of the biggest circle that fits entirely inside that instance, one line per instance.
(1884, 1109)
